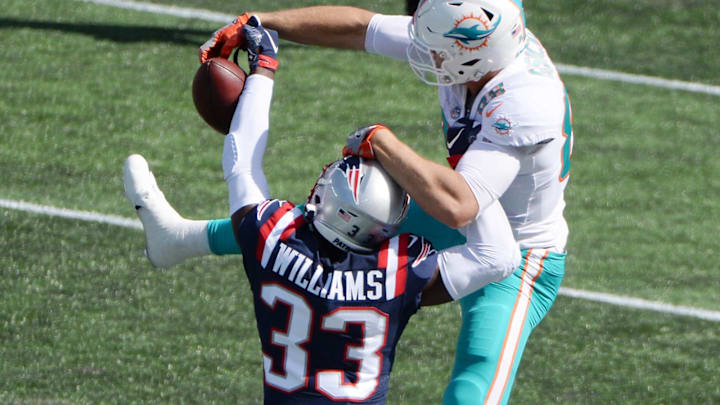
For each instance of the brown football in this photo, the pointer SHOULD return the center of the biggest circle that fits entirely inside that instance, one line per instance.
(216, 88)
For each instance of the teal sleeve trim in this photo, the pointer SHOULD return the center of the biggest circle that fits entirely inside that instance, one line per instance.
(221, 237)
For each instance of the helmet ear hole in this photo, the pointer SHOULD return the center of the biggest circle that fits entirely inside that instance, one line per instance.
(317, 199)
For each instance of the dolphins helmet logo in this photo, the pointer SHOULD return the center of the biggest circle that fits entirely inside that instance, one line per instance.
(472, 32)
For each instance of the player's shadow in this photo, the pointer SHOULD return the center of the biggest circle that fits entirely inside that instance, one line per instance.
(114, 32)
(121, 33)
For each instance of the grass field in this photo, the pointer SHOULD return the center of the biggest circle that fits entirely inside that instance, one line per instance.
(84, 319)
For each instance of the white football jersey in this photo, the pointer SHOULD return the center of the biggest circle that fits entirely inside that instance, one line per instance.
(523, 112)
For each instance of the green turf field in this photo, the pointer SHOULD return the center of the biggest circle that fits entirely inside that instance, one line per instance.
(84, 319)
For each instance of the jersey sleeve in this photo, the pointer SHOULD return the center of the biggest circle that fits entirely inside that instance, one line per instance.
(262, 230)
(489, 170)
(249, 232)
(489, 255)
(421, 266)
(525, 116)
(387, 35)
(422, 258)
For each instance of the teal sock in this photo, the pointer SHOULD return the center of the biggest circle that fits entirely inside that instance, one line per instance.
(221, 237)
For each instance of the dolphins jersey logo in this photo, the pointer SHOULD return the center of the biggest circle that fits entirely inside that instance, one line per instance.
(472, 32)
(503, 126)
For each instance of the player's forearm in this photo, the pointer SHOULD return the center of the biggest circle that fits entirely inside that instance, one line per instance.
(438, 190)
(331, 26)
(244, 145)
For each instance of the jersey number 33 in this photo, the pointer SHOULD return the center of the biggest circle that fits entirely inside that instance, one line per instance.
(294, 364)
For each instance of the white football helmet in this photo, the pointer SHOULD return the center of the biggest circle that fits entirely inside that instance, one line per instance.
(458, 41)
(356, 205)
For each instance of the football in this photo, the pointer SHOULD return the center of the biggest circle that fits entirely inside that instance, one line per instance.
(215, 89)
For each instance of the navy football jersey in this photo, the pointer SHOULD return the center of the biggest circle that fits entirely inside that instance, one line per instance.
(328, 320)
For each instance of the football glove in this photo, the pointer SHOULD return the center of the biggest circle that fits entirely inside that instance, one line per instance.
(262, 45)
(358, 143)
(224, 40)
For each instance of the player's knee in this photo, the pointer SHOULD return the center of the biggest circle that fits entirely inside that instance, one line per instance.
(463, 391)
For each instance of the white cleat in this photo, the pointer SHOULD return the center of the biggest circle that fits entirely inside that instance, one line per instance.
(169, 238)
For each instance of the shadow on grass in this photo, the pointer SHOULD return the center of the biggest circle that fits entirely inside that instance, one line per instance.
(114, 32)
(122, 33)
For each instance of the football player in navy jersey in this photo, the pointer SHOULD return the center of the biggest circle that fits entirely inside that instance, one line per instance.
(333, 286)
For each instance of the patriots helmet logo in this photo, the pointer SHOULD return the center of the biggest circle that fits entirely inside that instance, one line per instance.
(350, 166)
(472, 32)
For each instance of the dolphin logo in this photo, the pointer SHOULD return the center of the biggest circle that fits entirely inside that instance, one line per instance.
(502, 126)
(474, 33)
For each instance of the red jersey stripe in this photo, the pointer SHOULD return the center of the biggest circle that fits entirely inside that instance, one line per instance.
(402, 264)
(294, 225)
(268, 226)
(383, 255)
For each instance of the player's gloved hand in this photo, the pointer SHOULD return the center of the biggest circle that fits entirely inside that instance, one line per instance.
(358, 142)
(262, 45)
(223, 41)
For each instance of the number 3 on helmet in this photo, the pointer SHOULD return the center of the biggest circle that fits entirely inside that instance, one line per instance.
(455, 42)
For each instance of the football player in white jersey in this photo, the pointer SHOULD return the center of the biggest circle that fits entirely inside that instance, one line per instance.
(507, 125)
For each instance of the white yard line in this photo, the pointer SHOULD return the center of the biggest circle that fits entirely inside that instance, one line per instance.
(619, 300)
(638, 303)
(599, 74)
(71, 214)
(638, 79)
(182, 12)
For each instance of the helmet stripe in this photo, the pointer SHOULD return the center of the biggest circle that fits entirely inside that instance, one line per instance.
(354, 181)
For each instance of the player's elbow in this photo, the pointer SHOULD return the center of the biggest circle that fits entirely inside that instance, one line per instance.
(458, 214)
(506, 263)
(467, 269)
(502, 263)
